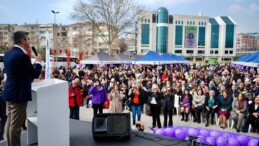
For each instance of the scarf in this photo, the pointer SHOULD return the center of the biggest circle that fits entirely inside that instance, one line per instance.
(240, 105)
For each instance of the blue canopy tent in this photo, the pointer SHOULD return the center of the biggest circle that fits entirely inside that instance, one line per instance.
(150, 58)
(167, 58)
(179, 59)
(248, 60)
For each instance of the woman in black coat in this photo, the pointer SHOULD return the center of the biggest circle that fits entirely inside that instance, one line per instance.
(167, 106)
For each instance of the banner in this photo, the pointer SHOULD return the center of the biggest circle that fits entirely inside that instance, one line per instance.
(190, 36)
(48, 62)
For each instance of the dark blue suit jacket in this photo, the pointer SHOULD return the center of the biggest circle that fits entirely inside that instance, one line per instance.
(20, 74)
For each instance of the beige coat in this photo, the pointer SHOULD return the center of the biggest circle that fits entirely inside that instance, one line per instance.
(116, 99)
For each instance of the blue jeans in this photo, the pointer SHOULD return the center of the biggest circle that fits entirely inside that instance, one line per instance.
(74, 112)
(136, 109)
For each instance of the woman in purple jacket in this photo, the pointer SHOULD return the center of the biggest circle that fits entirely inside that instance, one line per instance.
(99, 96)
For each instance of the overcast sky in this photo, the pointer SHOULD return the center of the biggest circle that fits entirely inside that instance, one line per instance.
(244, 12)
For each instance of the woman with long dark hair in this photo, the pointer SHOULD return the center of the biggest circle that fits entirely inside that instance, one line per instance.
(185, 104)
(137, 97)
(239, 111)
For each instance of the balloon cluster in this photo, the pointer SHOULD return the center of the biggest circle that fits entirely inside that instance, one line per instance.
(207, 136)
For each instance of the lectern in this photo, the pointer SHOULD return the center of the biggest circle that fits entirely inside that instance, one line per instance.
(48, 113)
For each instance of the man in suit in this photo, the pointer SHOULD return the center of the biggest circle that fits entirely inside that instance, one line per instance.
(17, 91)
(253, 117)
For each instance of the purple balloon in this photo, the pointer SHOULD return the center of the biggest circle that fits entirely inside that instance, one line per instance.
(169, 132)
(205, 132)
(159, 132)
(233, 142)
(227, 135)
(201, 139)
(215, 134)
(243, 140)
(211, 140)
(253, 142)
(221, 141)
(193, 132)
(179, 133)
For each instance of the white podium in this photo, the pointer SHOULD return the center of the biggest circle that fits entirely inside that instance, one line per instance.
(48, 113)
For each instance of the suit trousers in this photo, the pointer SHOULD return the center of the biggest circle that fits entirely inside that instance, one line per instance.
(15, 121)
(238, 119)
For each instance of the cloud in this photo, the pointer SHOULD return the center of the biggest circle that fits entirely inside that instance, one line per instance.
(254, 7)
(235, 9)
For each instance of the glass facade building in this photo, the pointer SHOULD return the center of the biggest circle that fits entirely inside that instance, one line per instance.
(201, 38)
(162, 30)
(198, 38)
(230, 28)
(214, 42)
(145, 35)
(179, 35)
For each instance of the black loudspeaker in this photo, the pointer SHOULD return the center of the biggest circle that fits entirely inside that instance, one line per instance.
(111, 126)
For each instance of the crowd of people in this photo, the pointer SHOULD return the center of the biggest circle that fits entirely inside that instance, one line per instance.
(216, 92)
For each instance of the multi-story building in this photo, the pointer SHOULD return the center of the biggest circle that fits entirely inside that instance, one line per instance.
(6, 34)
(245, 42)
(131, 42)
(197, 38)
(78, 37)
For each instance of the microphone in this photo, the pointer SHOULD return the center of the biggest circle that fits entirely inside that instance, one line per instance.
(34, 51)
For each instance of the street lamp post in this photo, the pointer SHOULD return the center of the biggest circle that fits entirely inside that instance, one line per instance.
(54, 34)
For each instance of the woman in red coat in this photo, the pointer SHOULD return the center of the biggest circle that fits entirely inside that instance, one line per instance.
(75, 100)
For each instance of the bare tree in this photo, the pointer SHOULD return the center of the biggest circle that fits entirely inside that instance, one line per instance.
(114, 17)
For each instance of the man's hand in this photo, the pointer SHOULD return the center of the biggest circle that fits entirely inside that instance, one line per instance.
(255, 114)
(38, 58)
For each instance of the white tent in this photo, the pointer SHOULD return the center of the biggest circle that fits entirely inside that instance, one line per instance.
(101, 58)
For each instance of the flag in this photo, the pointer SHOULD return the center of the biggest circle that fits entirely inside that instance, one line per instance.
(48, 62)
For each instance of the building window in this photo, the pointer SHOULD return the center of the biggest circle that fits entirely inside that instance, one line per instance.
(145, 34)
(229, 40)
(187, 22)
(204, 23)
(175, 22)
(226, 52)
(171, 19)
(199, 23)
(154, 18)
(189, 51)
(198, 59)
(216, 52)
(178, 35)
(182, 22)
(190, 59)
(148, 21)
(201, 41)
(190, 22)
(178, 51)
(179, 22)
(211, 52)
(201, 52)
(230, 52)
(226, 59)
(193, 23)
